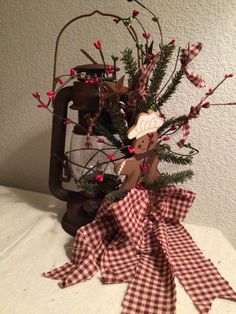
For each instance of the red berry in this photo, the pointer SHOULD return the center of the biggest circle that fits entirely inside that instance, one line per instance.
(43, 106)
(72, 72)
(149, 56)
(111, 156)
(131, 149)
(51, 94)
(206, 105)
(97, 44)
(146, 35)
(172, 42)
(135, 13)
(166, 138)
(100, 140)
(209, 92)
(36, 95)
(100, 178)
(229, 75)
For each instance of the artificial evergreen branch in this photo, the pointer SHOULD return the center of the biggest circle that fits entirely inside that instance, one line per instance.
(103, 187)
(159, 72)
(164, 153)
(105, 132)
(168, 179)
(118, 120)
(172, 74)
(130, 64)
(177, 159)
(169, 91)
(171, 122)
(115, 196)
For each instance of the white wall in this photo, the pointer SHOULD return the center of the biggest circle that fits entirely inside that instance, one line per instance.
(28, 30)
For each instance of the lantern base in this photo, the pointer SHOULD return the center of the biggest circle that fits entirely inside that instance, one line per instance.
(81, 210)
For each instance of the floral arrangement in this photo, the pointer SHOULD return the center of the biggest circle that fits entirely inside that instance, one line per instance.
(137, 236)
(148, 89)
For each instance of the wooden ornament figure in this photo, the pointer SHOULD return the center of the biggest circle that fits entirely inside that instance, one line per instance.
(142, 167)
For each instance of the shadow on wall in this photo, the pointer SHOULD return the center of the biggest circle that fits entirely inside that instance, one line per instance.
(28, 166)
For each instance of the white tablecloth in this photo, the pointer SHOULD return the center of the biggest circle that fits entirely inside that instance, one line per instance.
(32, 241)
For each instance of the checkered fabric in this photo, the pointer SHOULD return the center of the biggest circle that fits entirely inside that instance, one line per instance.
(140, 240)
(185, 134)
(186, 57)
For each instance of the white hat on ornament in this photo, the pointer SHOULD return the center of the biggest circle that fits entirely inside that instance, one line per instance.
(147, 122)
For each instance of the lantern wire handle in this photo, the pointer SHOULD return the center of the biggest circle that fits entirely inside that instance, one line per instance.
(130, 29)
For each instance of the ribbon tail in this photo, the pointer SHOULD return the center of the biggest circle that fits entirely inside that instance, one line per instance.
(199, 277)
(60, 273)
(185, 132)
(118, 263)
(152, 290)
(89, 245)
(196, 79)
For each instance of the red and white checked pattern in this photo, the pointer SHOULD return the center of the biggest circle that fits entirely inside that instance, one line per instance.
(186, 57)
(130, 243)
(185, 134)
(198, 275)
(190, 53)
(152, 290)
(90, 242)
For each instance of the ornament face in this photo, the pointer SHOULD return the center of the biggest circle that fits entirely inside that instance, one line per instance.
(145, 143)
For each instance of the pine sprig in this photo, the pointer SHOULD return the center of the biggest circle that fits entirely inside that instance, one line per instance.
(172, 121)
(105, 132)
(177, 159)
(104, 187)
(169, 91)
(164, 153)
(115, 196)
(110, 184)
(169, 179)
(130, 64)
(118, 120)
(160, 71)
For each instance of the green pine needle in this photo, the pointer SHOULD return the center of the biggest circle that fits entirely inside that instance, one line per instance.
(169, 91)
(177, 159)
(118, 120)
(172, 121)
(115, 196)
(160, 71)
(169, 179)
(104, 187)
(130, 64)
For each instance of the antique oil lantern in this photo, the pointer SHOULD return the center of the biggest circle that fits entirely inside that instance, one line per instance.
(65, 167)
(81, 206)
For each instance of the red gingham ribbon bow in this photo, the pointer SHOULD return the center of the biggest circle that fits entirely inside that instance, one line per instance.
(140, 240)
(186, 57)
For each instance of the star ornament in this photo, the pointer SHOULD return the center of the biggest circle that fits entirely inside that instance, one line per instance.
(115, 89)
